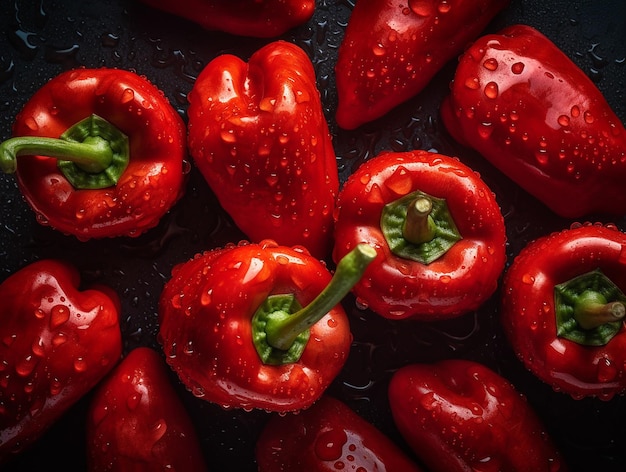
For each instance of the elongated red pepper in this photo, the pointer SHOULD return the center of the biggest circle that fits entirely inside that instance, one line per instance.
(258, 134)
(459, 415)
(327, 437)
(56, 344)
(392, 49)
(438, 230)
(563, 310)
(137, 422)
(233, 328)
(528, 109)
(262, 19)
(101, 153)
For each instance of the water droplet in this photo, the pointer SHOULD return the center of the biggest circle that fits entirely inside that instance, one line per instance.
(228, 136)
(517, 68)
(528, 279)
(133, 401)
(444, 6)
(490, 64)
(329, 444)
(607, 371)
(422, 8)
(128, 95)
(563, 120)
(400, 181)
(491, 90)
(378, 50)
(80, 365)
(588, 117)
(472, 83)
(31, 123)
(485, 130)
(25, 366)
(59, 314)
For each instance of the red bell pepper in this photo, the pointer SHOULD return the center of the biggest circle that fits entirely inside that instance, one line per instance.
(391, 51)
(438, 230)
(563, 310)
(459, 415)
(56, 344)
(258, 134)
(327, 437)
(529, 110)
(255, 18)
(233, 328)
(136, 421)
(101, 153)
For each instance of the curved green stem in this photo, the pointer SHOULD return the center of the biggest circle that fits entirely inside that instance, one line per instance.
(93, 155)
(282, 332)
(592, 310)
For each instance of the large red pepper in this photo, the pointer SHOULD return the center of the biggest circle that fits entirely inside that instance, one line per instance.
(528, 109)
(256, 18)
(137, 422)
(327, 437)
(56, 344)
(101, 153)
(258, 134)
(438, 230)
(233, 328)
(392, 49)
(459, 416)
(563, 310)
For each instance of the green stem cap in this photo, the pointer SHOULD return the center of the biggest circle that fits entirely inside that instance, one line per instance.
(92, 154)
(281, 327)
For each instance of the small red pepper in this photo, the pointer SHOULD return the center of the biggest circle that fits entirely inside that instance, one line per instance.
(258, 134)
(233, 328)
(136, 421)
(101, 153)
(392, 49)
(528, 109)
(438, 230)
(56, 344)
(563, 310)
(255, 18)
(459, 415)
(327, 437)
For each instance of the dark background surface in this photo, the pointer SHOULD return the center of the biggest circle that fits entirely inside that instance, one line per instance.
(39, 39)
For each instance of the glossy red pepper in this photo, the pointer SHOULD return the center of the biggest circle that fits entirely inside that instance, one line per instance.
(528, 109)
(563, 310)
(101, 153)
(438, 230)
(56, 344)
(233, 328)
(459, 415)
(392, 49)
(327, 437)
(258, 134)
(136, 421)
(255, 18)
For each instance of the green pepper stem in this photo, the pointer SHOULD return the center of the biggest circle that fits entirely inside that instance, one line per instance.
(92, 155)
(282, 332)
(590, 314)
(419, 226)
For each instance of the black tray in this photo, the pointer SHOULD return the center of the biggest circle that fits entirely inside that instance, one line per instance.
(41, 39)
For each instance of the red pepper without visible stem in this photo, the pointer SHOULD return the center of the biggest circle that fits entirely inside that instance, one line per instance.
(258, 134)
(528, 109)
(459, 415)
(391, 50)
(56, 344)
(561, 310)
(258, 325)
(262, 19)
(327, 437)
(137, 422)
(118, 167)
(432, 265)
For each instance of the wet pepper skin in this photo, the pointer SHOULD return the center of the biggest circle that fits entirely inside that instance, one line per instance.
(262, 19)
(399, 288)
(458, 415)
(153, 180)
(528, 310)
(327, 437)
(136, 421)
(206, 312)
(392, 49)
(528, 109)
(57, 343)
(258, 135)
